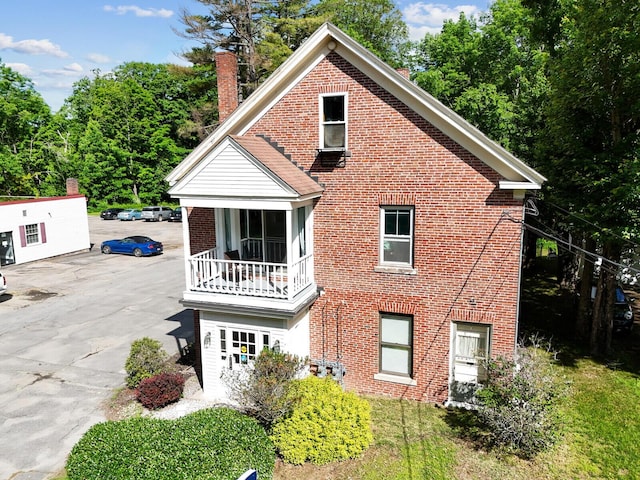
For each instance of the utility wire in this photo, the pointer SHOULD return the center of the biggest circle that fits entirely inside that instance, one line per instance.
(593, 257)
(626, 240)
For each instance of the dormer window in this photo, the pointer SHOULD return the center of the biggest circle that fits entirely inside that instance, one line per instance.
(333, 118)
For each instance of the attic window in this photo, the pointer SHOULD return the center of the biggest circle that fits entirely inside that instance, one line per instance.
(333, 122)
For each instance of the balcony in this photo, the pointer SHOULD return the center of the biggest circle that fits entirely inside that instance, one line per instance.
(209, 274)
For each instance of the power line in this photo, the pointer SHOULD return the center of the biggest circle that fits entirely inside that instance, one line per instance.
(595, 225)
(592, 257)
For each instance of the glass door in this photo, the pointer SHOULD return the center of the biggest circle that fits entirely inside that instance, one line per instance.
(240, 347)
(7, 255)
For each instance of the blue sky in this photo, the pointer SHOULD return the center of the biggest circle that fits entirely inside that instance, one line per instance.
(57, 42)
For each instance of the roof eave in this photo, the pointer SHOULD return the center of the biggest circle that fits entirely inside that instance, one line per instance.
(443, 118)
(508, 185)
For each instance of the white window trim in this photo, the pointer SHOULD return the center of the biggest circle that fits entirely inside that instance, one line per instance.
(396, 376)
(402, 266)
(386, 377)
(37, 234)
(322, 123)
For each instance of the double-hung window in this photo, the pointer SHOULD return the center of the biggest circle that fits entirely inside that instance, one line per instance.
(32, 234)
(396, 344)
(333, 119)
(396, 236)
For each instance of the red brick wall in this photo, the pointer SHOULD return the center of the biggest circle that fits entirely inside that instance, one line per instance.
(227, 72)
(202, 229)
(466, 250)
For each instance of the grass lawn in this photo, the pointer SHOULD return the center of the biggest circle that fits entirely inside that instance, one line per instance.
(601, 439)
(600, 419)
(600, 430)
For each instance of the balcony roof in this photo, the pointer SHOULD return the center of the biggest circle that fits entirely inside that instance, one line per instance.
(247, 168)
(279, 164)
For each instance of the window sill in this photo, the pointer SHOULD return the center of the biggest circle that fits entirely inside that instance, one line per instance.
(403, 270)
(385, 377)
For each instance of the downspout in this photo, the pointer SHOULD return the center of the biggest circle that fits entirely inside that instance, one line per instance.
(522, 229)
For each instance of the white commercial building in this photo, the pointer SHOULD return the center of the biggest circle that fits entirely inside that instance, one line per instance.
(40, 228)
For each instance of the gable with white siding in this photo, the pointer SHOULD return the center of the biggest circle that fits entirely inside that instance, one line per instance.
(228, 171)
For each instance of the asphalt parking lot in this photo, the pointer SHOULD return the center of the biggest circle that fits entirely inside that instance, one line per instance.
(66, 327)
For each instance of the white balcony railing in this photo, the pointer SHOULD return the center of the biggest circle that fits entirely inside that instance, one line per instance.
(239, 277)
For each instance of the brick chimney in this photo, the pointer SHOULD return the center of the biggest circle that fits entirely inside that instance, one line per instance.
(72, 186)
(227, 70)
(404, 72)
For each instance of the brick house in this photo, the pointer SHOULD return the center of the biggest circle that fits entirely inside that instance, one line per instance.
(343, 214)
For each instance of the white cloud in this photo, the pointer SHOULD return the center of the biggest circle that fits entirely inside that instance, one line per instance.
(98, 58)
(425, 18)
(31, 46)
(138, 11)
(71, 70)
(62, 85)
(21, 68)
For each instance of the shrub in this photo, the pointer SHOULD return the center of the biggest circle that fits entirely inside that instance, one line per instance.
(160, 390)
(517, 403)
(262, 389)
(146, 359)
(326, 424)
(211, 444)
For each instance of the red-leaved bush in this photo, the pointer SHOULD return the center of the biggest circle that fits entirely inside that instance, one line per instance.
(160, 390)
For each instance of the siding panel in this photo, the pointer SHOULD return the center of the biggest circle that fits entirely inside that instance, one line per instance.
(231, 174)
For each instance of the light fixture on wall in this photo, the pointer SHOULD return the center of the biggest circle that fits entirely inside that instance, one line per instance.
(207, 340)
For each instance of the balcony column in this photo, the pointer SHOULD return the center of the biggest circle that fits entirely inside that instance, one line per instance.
(309, 240)
(289, 240)
(186, 239)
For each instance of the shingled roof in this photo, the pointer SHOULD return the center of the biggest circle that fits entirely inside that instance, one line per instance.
(278, 163)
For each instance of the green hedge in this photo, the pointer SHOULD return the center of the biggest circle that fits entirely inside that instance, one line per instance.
(211, 444)
(326, 424)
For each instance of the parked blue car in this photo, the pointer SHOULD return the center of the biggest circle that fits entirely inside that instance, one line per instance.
(137, 245)
(130, 214)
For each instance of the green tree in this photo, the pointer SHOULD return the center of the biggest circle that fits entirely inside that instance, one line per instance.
(376, 24)
(57, 150)
(492, 72)
(233, 25)
(591, 146)
(262, 34)
(22, 113)
(130, 128)
(448, 63)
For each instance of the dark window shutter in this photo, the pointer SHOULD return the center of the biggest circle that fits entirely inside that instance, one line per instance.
(43, 234)
(23, 236)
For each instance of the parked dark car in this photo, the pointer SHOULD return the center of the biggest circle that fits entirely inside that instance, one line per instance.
(137, 245)
(623, 313)
(110, 213)
(176, 215)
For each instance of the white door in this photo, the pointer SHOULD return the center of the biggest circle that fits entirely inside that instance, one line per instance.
(471, 350)
(239, 347)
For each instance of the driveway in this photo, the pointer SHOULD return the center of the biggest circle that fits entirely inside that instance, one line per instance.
(66, 328)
